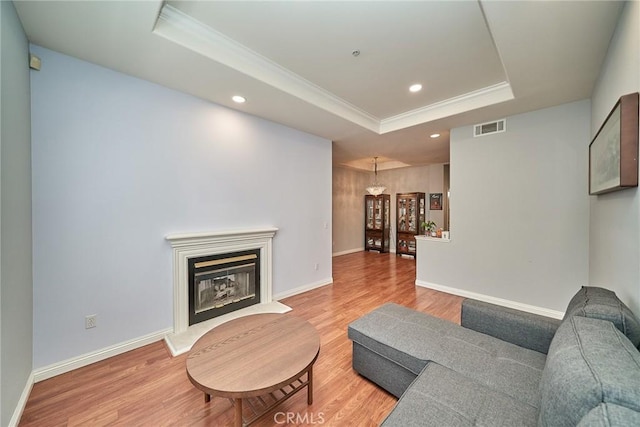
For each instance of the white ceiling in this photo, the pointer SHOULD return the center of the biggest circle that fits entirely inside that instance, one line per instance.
(293, 61)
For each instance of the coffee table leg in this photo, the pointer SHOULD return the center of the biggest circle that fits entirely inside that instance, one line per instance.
(310, 386)
(238, 405)
(207, 398)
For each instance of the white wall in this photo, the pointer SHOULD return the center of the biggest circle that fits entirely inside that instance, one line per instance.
(614, 227)
(16, 303)
(118, 164)
(519, 211)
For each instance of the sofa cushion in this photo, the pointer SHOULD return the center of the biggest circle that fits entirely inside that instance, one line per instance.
(610, 415)
(442, 397)
(518, 327)
(589, 362)
(411, 339)
(599, 303)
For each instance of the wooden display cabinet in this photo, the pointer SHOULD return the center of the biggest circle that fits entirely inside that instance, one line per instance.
(377, 222)
(410, 214)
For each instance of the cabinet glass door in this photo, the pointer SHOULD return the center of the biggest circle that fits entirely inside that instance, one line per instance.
(378, 214)
(402, 215)
(370, 213)
(387, 205)
(407, 214)
(422, 215)
(411, 215)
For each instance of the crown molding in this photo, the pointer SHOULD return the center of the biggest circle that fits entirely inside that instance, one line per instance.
(484, 97)
(367, 165)
(180, 28)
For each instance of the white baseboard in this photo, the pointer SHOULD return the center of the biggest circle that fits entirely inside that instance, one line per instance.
(68, 365)
(22, 402)
(350, 251)
(493, 300)
(302, 289)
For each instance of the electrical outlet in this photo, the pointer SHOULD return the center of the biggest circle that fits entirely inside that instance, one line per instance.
(90, 321)
(317, 266)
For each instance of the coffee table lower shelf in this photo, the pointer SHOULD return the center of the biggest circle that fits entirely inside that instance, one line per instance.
(255, 408)
(262, 359)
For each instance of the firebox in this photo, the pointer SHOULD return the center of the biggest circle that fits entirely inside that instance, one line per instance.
(222, 283)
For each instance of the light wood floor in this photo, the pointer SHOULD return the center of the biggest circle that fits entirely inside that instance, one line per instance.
(148, 387)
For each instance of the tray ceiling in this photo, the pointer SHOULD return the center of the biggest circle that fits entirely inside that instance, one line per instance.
(294, 61)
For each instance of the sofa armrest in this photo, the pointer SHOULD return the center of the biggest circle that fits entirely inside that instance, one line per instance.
(517, 327)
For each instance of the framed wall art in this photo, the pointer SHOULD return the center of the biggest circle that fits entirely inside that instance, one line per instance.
(435, 201)
(613, 153)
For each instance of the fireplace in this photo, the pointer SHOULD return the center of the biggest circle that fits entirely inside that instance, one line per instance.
(209, 248)
(219, 258)
(222, 283)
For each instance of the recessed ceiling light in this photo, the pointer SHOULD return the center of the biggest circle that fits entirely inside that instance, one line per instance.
(415, 88)
(434, 135)
(239, 99)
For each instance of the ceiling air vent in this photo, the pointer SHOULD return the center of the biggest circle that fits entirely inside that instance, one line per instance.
(490, 127)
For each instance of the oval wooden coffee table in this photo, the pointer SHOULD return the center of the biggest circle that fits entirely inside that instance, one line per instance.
(263, 357)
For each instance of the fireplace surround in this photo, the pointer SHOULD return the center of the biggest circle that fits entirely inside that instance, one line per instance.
(188, 246)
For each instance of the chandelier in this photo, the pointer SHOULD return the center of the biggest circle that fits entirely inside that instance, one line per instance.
(376, 189)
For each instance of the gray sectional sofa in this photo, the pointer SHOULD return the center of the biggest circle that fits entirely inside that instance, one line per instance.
(504, 367)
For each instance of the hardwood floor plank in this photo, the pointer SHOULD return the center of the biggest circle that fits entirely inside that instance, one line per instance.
(148, 387)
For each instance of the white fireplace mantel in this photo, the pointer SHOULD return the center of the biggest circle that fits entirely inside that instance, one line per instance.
(192, 245)
(220, 237)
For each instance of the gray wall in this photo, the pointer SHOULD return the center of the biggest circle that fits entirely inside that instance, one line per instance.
(348, 209)
(614, 226)
(519, 211)
(349, 189)
(423, 179)
(16, 301)
(118, 164)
